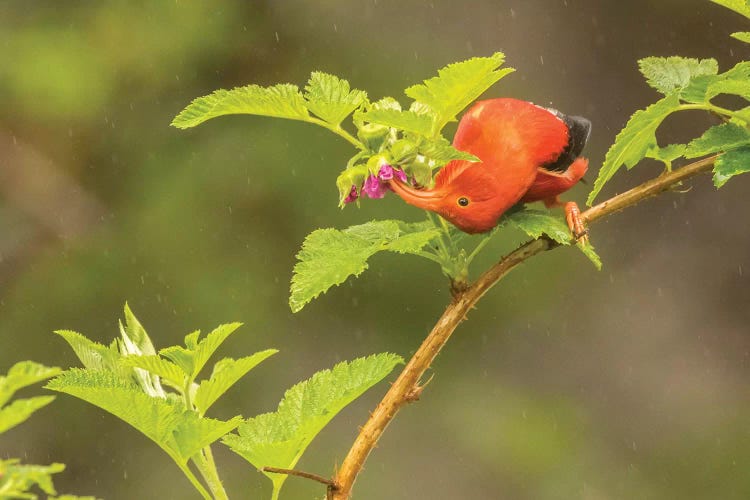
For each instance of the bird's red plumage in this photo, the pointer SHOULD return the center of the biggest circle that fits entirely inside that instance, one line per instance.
(513, 139)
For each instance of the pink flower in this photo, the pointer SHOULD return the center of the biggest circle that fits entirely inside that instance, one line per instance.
(374, 187)
(353, 195)
(387, 172)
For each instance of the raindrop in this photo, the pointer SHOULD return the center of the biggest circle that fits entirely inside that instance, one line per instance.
(541, 60)
(512, 13)
(335, 28)
(230, 209)
(277, 35)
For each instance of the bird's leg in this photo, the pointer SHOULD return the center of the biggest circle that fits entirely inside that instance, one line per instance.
(575, 223)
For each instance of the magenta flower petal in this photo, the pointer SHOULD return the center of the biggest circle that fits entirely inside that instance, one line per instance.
(373, 188)
(386, 172)
(353, 195)
(400, 175)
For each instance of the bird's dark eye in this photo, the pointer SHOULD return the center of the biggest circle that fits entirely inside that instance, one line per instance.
(463, 201)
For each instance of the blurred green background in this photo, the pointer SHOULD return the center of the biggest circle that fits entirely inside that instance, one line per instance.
(631, 382)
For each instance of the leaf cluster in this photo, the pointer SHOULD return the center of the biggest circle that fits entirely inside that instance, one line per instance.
(688, 84)
(386, 132)
(160, 394)
(280, 438)
(18, 480)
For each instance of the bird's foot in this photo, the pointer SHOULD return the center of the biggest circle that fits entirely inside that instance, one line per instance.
(575, 223)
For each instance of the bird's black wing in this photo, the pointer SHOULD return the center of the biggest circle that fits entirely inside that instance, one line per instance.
(579, 129)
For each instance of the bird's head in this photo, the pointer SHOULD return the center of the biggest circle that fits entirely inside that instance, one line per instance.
(470, 201)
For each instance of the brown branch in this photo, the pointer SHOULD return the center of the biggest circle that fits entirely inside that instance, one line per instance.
(299, 473)
(403, 389)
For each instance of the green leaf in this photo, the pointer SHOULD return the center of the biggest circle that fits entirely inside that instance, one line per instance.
(743, 36)
(667, 154)
(95, 356)
(704, 88)
(589, 251)
(23, 374)
(206, 347)
(739, 6)
(458, 85)
(731, 163)
(634, 141)
(225, 374)
(330, 98)
(135, 341)
(134, 335)
(157, 366)
(441, 152)
(329, 256)
(732, 87)
(179, 432)
(192, 358)
(17, 479)
(281, 101)
(403, 120)
(279, 439)
(667, 74)
(20, 410)
(718, 138)
(535, 223)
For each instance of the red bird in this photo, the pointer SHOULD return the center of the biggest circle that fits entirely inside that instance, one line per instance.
(527, 153)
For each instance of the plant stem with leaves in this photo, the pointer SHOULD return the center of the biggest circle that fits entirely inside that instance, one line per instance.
(407, 386)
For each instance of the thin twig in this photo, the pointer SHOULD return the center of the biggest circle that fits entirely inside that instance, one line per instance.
(407, 384)
(307, 475)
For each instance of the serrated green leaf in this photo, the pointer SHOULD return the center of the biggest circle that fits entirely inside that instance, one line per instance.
(731, 163)
(535, 223)
(458, 85)
(94, 355)
(279, 439)
(739, 6)
(732, 87)
(20, 410)
(441, 152)
(634, 141)
(158, 366)
(403, 120)
(206, 347)
(667, 154)
(704, 88)
(667, 74)
(23, 374)
(135, 341)
(743, 36)
(590, 253)
(281, 101)
(17, 479)
(329, 256)
(225, 374)
(330, 98)
(184, 358)
(718, 138)
(135, 335)
(179, 432)
(192, 358)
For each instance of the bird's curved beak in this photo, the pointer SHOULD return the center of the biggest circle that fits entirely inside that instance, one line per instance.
(427, 199)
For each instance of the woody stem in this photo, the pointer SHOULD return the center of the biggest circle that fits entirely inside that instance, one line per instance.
(408, 382)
